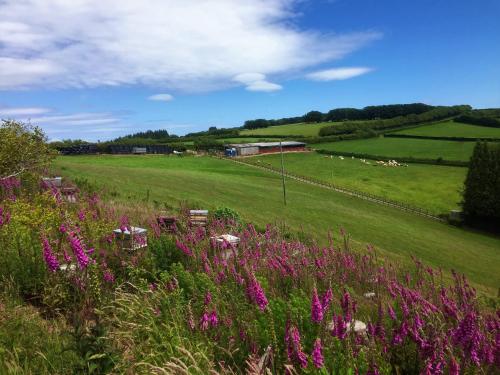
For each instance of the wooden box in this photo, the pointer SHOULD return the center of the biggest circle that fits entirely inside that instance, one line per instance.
(133, 239)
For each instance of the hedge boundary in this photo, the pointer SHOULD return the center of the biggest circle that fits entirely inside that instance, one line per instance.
(438, 161)
(438, 138)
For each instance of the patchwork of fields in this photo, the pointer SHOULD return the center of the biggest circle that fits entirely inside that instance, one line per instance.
(403, 147)
(257, 195)
(453, 129)
(435, 188)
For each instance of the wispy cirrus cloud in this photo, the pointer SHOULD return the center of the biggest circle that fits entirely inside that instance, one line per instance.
(161, 97)
(91, 126)
(11, 112)
(336, 74)
(175, 44)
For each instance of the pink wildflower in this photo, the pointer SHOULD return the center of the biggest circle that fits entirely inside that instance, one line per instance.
(317, 355)
(327, 299)
(78, 249)
(204, 321)
(212, 317)
(208, 298)
(50, 258)
(108, 277)
(316, 308)
(256, 293)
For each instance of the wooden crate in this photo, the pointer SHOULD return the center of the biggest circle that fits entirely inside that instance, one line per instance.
(233, 242)
(166, 223)
(198, 217)
(133, 239)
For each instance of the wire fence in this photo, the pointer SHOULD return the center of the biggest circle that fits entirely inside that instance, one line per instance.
(355, 193)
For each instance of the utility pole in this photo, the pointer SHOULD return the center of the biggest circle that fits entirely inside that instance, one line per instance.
(283, 174)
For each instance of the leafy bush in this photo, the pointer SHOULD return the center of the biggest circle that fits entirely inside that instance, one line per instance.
(226, 214)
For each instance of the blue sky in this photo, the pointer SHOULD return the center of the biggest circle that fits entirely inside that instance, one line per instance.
(97, 70)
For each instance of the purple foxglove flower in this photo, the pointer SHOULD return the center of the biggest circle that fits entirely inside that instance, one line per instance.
(256, 293)
(317, 355)
(183, 247)
(108, 277)
(78, 249)
(454, 367)
(391, 312)
(212, 317)
(204, 321)
(208, 298)
(316, 308)
(327, 299)
(48, 255)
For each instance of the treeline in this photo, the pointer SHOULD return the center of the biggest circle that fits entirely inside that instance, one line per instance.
(345, 114)
(367, 127)
(482, 117)
(214, 131)
(481, 204)
(149, 134)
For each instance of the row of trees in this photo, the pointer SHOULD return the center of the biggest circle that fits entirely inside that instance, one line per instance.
(481, 200)
(437, 113)
(345, 114)
(482, 117)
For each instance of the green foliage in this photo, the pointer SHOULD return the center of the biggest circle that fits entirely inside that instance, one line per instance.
(437, 113)
(481, 204)
(313, 116)
(226, 213)
(342, 114)
(483, 117)
(23, 149)
(29, 343)
(164, 252)
(208, 144)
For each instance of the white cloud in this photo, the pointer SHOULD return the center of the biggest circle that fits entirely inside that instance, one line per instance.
(263, 86)
(337, 74)
(189, 45)
(8, 112)
(256, 82)
(161, 97)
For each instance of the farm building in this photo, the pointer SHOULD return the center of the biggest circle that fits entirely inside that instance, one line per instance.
(244, 149)
(148, 149)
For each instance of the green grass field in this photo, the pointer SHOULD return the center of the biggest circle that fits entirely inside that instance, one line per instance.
(401, 147)
(435, 188)
(301, 129)
(453, 129)
(257, 196)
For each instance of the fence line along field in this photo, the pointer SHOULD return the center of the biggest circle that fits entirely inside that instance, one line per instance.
(257, 195)
(403, 148)
(432, 187)
(453, 129)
